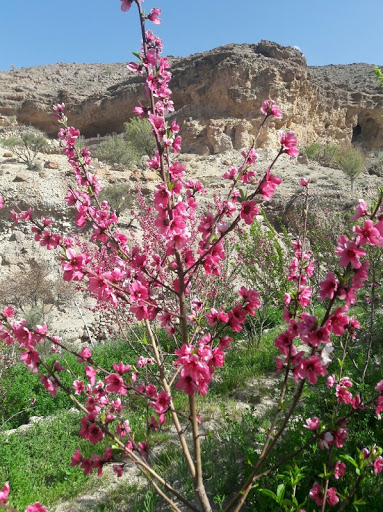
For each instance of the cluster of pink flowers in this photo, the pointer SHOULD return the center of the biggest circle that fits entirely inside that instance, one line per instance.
(316, 494)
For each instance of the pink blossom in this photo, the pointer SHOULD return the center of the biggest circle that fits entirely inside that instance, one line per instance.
(349, 252)
(379, 406)
(328, 287)
(115, 384)
(154, 15)
(249, 210)
(289, 143)
(368, 234)
(119, 470)
(332, 497)
(341, 436)
(312, 423)
(339, 470)
(1, 203)
(326, 440)
(303, 182)
(36, 507)
(4, 493)
(143, 448)
(378, 465)
(85, 354)
(310, 369)
(126, 5)
(379, 387)
(316, 494)
(269, 108)
(78, 386)
(360, 210)
(268, 185)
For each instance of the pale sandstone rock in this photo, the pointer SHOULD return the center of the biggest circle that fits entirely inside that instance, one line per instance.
(227, 85)
(50, 164)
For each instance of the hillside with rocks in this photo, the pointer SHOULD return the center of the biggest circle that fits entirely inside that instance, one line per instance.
(217, 95)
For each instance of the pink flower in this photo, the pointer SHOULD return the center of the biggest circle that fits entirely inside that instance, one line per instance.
(339, 470)
(154, 15)
(289, 143)
(78, 386)
(378, 465)
(36, 507)
(379, 387)
(326, 440)
(332, 497)
(328, 287)
(303, 182)
(126, 5)
(312, 423)
(349, 253)
(340, 437)
(1, 203)
(316, 494)
(249, 210)
(269, 108)
(119, 470)
(360, 210)
(143, 448)
(4, 493)
(311, 368)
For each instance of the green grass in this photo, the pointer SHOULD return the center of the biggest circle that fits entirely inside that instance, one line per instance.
(37, 462)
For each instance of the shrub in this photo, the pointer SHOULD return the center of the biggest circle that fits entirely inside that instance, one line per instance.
(312, 151)
(351, 161)
(119, 197)
(27, 146)
(140, 137)
(116, 150)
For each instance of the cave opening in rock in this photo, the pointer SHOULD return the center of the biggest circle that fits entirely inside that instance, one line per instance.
(356, 133)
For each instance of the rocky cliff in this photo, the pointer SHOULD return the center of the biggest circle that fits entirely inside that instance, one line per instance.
(217, 93)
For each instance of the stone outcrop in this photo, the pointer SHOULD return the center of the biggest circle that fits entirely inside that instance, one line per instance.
(217, 93)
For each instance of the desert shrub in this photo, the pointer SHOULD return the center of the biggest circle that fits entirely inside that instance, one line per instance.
(116, 150)
(140, 137)
(119, 197)
(34, 291)
(347, 158)
(27, 146)
(351, 161)
(312, 151)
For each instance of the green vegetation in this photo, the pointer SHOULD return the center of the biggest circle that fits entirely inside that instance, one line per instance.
(348, 159)
(127, 152)
(27, 146)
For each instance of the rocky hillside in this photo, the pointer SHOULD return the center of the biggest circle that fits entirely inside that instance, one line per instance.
(217, 94)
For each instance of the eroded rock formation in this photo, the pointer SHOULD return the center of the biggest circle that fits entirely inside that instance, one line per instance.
(217, 93)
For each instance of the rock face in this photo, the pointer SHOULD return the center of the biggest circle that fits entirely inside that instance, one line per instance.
(217, 93)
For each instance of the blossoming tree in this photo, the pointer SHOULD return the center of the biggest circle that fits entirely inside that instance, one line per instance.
(155, 283)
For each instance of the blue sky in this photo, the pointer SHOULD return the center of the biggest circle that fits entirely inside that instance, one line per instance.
(327, 31)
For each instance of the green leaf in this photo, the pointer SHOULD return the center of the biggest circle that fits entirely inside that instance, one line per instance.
(281, 492)
(349, 459)
(269, 493)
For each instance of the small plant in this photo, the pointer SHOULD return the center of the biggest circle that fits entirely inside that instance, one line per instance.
(351, 161)
(27, 146)
(118, 196)
(140, 137)
(116, 150)
(312, 151)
